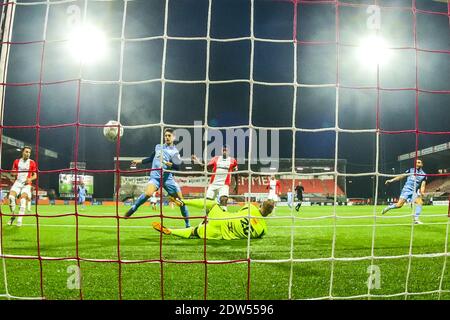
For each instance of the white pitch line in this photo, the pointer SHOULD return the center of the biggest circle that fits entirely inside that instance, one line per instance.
(270, 227)
(19, 298)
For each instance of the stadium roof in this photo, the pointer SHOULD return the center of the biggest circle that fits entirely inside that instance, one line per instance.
(434, 151)
(11, 144)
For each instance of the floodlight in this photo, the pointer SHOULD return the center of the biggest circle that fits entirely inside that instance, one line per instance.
(373, 51)
(87, 44)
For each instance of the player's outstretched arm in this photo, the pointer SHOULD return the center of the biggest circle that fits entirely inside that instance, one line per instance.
(196, 160)
(146, 160)
(134, 163)
(398, 178)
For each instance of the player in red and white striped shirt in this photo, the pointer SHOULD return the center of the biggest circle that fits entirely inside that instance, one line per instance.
(220, 181)
(25, 171)
(274, 188)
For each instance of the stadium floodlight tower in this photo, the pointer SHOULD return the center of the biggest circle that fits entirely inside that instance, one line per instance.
(373, 51)
(87, 44)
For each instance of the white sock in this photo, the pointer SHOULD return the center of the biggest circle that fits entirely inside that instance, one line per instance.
(29, 206)
(12, 203)
(23, 206)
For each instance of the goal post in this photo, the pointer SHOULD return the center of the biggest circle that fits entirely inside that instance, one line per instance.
(7, 20)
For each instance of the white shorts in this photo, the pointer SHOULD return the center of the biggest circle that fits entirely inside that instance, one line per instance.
(213, 190)
(153, 200)
(272, 196)
(20, 188)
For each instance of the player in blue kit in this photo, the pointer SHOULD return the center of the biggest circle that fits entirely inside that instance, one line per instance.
(170, 157)
(413, 189)
(82, 192)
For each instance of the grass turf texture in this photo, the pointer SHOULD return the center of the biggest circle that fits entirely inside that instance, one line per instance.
(312, 238)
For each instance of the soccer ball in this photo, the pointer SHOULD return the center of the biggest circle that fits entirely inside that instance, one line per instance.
(112, 132)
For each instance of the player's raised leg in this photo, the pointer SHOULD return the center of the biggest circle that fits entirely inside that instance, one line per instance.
(174, 190)
(184, 210)
(397, 205)
(152, 187)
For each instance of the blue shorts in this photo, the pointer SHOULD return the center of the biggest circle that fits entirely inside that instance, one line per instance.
(408, 195)
(81, 199)
(169, 185)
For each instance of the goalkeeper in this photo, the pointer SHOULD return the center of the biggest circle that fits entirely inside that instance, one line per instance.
(222, 224)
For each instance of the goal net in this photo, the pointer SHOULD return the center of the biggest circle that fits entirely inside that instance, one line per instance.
(327, 93)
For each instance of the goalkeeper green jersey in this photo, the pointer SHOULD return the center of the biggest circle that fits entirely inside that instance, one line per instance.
(238, 228)
(226, 225)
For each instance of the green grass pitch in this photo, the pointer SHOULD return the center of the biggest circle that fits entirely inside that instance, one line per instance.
(272, 274)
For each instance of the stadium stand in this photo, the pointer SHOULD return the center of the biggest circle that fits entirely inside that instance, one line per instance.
(439, 186)
(313, 187)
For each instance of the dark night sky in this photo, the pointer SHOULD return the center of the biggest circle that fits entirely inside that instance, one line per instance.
(229, 103)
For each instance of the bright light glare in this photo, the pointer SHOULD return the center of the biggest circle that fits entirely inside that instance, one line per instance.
(373, 51)
(87, 44)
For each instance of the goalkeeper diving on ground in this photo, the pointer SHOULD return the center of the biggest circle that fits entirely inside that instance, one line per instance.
(221, 224)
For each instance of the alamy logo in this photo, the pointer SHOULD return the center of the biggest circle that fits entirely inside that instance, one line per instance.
(262, 148)
(374, 19)
(74, 279)
(374, 280)
(74, 16)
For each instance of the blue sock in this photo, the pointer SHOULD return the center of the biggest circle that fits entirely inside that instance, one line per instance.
(140, 201)
(185, 213)
(389, 207)
(418, 211)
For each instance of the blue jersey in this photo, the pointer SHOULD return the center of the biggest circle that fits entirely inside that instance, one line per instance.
(169, 154)
(82, 191)
(414, 182)
(289, 197)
